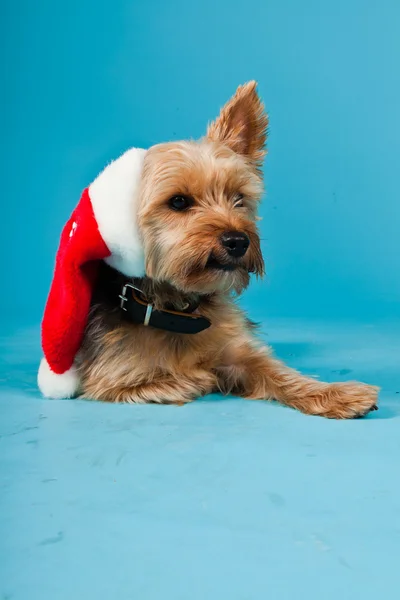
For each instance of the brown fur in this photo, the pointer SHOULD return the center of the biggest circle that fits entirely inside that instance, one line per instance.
(126, 362)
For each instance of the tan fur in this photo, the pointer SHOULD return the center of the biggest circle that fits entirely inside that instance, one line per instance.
(242, 124)
(126, 362)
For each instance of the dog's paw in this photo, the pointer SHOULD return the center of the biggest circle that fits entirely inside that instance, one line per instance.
(350, 400)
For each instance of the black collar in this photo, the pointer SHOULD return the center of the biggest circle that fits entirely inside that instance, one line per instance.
(138, 310)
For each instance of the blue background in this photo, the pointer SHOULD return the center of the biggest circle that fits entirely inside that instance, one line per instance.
(221, 499)
(82, 81)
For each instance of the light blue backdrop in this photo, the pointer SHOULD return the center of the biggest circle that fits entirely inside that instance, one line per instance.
(84, 80)
(222, 499)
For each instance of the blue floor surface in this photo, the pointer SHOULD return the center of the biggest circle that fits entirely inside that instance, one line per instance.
(221, 499)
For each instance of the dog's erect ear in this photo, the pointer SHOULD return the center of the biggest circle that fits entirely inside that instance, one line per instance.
(242, 124)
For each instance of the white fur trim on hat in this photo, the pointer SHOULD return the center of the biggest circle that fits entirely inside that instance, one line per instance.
(114, 196)
(53, 385)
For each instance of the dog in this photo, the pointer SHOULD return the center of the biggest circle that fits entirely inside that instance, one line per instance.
(184, 335)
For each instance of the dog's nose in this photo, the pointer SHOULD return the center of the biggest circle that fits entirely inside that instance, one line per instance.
(235, 243)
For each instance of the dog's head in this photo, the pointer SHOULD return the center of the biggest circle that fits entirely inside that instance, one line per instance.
(199, 202)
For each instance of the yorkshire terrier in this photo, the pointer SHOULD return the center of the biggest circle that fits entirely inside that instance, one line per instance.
(198, 220)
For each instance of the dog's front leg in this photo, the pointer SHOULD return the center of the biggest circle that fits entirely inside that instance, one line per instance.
(169, 389)
(255, 374)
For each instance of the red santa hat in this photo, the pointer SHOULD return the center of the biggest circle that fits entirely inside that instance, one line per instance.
(103, 226)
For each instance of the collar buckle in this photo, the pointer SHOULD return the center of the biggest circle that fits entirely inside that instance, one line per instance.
(124, 299)
(123, 295)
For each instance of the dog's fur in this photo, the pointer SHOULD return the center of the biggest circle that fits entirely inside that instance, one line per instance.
(125, 362)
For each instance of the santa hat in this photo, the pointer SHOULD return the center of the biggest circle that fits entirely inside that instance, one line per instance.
(103, 226)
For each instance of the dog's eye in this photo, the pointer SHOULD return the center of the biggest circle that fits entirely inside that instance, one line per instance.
(180, 202)
(238, 203)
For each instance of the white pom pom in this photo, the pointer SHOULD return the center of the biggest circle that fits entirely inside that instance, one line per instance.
(53, 385)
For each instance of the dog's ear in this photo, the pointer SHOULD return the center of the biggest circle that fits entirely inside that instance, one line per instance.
(242, 124)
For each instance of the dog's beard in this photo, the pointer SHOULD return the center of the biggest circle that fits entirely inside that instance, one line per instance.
(214, 276)
(204, 277)
(203, 268)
